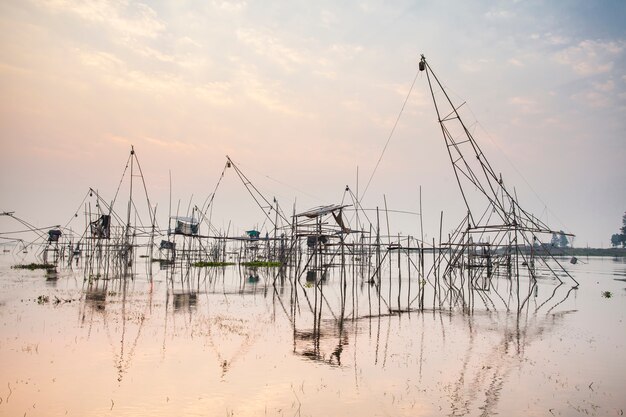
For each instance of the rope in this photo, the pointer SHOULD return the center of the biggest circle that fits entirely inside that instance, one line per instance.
(391, 134)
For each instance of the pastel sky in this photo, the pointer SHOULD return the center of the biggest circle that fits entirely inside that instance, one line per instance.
(299, 94)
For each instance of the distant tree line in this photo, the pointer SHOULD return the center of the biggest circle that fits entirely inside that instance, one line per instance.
(620, 238)
(559, 240)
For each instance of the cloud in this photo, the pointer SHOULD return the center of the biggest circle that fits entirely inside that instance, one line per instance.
(232, 6)
(554, 120)
(600, 95)
(367, 7)
(606, 87)
(145, 51)
(187, 41)
(115, 72)
(499, 14)
(524, 104)
(353, 105)
(119, 139)
(174, 145)
(590, 57)
(346, 51)
(555, 40)
(331, 75)
(267, 44)
(328, 18)
(329, 58)
(132, 19)
(102, 60)
(268, 93)
(475, 65)
(521, 101)
(61, 152)
(12, 69)
(592, 98)
(418, 98)
(132, 25)
(321, 60)
(515, 62)
(166, 144)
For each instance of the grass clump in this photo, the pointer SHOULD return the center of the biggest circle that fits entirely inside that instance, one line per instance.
(33, 266)
(262, 264)
(607, 294)
(203, 264)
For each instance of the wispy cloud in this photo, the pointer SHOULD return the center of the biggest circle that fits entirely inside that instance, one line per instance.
(166, 144)
(328, 18)
(550, 39)
(353, 105)
(524, 104)
(132, 25)
(115, 72)
(598, 94)
(320, 60)
(133, 19)
(327, 60)
(12, 69)
(555, 40)
(590, 57)
(345, 51)
(104, 61)
(119, 139)
(331, 75)
(232, 6)
(474, 65)
(367, 6)
(173, 145)
(592, 98)
(499, 14)
(268, 93)
(606, 86)
(143, 50)
(267, 44)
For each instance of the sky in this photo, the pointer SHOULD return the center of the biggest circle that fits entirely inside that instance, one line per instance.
(303, 96)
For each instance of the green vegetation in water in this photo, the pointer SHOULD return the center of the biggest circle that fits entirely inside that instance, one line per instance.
(607, 294)
(33, 266)
(262, 263)
(44, 299)
(580, 252)
(202, 264)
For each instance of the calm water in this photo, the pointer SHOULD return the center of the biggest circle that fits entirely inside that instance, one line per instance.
(229, 343)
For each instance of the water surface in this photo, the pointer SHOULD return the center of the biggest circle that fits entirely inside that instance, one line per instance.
(235, 342)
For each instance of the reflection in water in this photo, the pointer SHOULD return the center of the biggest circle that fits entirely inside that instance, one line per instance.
(185, 301)
(324, 343)
(227, 327)
(483, 374)
(52, 275)
(109, 303)
(95, 298)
